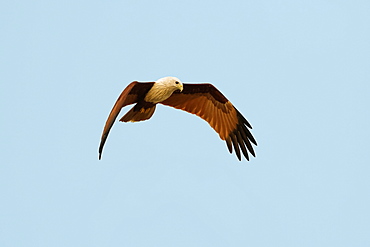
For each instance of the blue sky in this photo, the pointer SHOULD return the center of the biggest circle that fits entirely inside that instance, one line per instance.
(297, 70)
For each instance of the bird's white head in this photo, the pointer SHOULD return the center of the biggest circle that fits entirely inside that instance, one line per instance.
(171, 82)
(163, 89)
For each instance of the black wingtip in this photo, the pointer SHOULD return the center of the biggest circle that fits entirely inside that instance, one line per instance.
(236, 146)
(101, 146)
(229, 145)
(101, 149)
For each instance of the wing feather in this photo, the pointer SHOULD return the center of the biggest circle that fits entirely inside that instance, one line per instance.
(217, 120)
(246, 141)
(229, 145)
(236, 145)
(241, 144)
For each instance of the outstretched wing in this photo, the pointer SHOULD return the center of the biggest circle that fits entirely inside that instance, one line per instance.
(134, 92)
(207, 102)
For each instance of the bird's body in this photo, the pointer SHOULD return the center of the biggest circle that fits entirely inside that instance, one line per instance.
(203, 100)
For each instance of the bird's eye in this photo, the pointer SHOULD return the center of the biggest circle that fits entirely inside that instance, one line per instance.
(177, 82)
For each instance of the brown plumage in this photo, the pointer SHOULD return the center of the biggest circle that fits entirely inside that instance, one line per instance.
(203, 100)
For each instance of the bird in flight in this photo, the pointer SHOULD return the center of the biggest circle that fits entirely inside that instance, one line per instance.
(203, 100)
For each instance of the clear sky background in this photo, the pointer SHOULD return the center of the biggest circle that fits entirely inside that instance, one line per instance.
(297, 70)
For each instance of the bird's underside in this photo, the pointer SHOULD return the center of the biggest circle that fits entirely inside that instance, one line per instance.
(203, 100)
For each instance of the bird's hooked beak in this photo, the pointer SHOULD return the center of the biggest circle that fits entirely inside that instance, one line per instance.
(181, 87)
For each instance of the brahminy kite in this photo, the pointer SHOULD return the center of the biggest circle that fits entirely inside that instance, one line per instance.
(203, 100)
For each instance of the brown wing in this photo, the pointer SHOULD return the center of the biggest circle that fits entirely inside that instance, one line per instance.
(207, 102)
(134, 92)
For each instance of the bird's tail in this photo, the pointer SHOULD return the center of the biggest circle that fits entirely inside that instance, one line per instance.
(138, 113)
